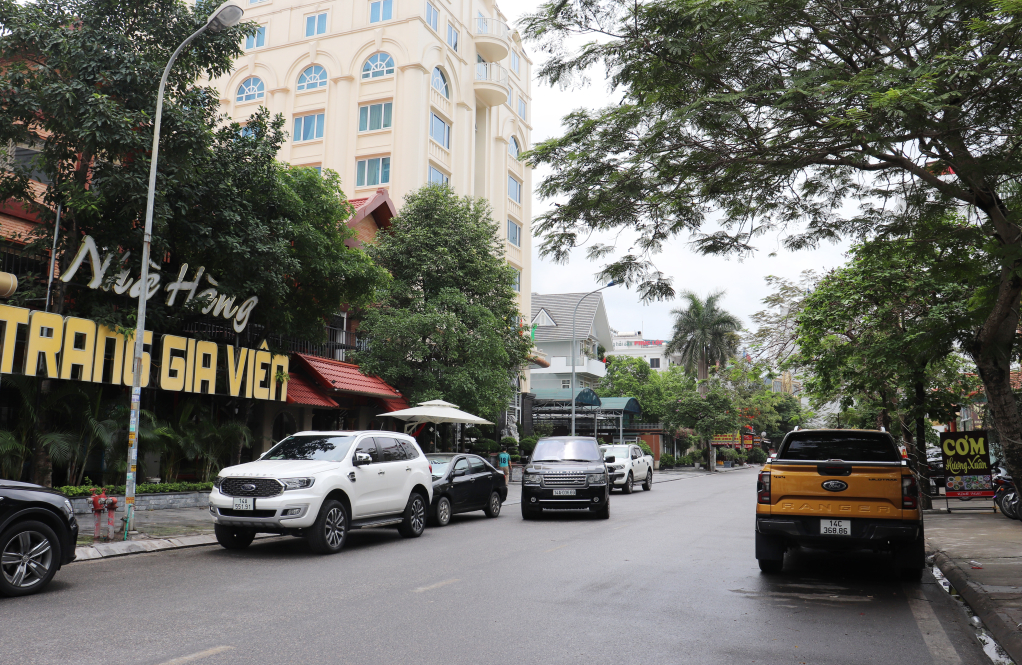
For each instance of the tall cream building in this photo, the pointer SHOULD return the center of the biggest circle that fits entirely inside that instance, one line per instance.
(392, 94)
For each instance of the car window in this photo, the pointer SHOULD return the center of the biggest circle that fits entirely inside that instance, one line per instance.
(311, 447)
(411, 451)
(572, 450)
(368, 446)
(478, 466)
(390, 449)
(461, 465)
(635, 453)
(848, 446)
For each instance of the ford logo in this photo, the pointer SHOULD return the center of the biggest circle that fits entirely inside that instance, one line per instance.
(249, 487)
(835, 486)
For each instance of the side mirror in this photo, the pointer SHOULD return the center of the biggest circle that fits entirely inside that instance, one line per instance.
(609, 460)
(460, 472)
(362, 459)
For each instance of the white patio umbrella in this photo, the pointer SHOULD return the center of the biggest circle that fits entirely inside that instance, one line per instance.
(436, 411)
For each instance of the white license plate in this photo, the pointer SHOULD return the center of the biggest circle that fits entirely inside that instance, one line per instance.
(564, 492)
(244, 503)
(835, 527)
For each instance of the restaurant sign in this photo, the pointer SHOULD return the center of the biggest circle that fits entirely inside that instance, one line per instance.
(966, 463)
(80, 349)
(730, 439)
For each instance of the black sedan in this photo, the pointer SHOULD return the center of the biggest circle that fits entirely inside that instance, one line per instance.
(38, 531)
(463, 483)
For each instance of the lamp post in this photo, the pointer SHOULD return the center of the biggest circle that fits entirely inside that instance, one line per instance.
(225, 16)
(612, 283)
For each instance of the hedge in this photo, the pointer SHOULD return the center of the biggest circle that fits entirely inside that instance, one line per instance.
(141, 488)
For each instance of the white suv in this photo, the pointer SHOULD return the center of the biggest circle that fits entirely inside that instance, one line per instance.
(319, 485)
(631, 465)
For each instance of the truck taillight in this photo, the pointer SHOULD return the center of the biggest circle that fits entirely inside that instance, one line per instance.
(763, 487)
(909, 492)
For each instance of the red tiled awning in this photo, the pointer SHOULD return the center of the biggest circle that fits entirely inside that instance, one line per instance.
(345, 377)
(395, 404)
(300, 391)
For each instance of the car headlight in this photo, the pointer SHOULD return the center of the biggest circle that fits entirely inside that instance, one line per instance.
(297, 483)
(597, 478)
(616, 467)
(217, 482)
(69, 509)
(531, 479)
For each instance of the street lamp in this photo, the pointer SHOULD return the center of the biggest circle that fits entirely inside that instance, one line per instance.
(612, 283)
(225, 16)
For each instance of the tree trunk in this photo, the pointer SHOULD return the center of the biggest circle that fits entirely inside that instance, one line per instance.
(922, 468)
(702, 374)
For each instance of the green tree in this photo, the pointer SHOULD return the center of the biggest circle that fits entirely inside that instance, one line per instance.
(709, 414)
(704, 334)
(449, 325)
(777, 115)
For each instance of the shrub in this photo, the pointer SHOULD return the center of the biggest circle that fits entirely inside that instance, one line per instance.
(485, 446)
(667, 460)
(543, 429)
(757, 456)
(645, 448)
(141, 488)
(515, 458)
(527, 444)
(727, 454)
(685, 460)
(509, 441)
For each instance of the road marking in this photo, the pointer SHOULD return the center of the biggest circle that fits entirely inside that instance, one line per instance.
(196, 656)
(435, 586)
(936, 639)
(558, 547)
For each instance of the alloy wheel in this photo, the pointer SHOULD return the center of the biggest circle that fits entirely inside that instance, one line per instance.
(418, 514)
(444, 512)
(494, 504)
(334, 527)
(27, 559)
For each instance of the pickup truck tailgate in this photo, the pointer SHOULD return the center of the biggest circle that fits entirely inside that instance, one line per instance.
(839, 489)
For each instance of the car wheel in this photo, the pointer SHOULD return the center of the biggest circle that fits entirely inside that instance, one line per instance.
(771, 565)
(232, 537)
(629, 486)
(530, 513)
(328, 533)
(910, 558)
(29, 557)
(415, 517)
(493, 505)
(648, 484)
(442, 515)
(602, 513)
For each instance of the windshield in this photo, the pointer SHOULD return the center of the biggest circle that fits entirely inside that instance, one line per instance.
(439, 465)
(850, 447)
(618, 452)
(565, 450)
(311, 447)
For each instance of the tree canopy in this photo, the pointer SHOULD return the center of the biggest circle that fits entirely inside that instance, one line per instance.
(704, 333)
(633, 377)
(449, 325)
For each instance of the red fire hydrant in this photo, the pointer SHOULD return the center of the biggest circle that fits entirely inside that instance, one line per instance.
(100, 503)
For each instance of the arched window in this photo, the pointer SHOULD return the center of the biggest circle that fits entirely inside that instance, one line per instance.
(513, 148)
(312, 78)
(251, 89)
(440, 83)
(378, 65)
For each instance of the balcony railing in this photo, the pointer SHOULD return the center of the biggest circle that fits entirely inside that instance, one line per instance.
(491, 72)
(514, 253)
(514, 208)
(492, 27)
(336, 347)
(440, 101)
(439, 153)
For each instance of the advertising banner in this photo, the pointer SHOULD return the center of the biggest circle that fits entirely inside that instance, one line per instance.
(967, 468)
(726, 439)
(747, 440)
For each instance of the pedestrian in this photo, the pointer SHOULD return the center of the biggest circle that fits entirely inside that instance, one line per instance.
(504, 462)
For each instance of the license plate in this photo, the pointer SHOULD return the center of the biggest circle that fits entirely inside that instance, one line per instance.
(564, 492)
(835, 527)
(244, 503)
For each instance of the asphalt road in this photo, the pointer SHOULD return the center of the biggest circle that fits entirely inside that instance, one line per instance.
(670, 578)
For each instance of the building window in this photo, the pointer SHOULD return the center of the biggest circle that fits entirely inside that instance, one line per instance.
(251, 89)
(381, 10)
(315, 24)
(514, 233)
(374, 116)
(317, 169)
(514, 189)
(654, 363)
(452, 37)
(438, 177)
(483, 25)
(518, 279)
(378, 65)
(439, 131)
(375, 171)
(432, 15)
(439, 83)
(246, 132)
(312, 78)
(258, 39)
(309, 127)
(516, 62)
(565, 384)
(521, 107)
(513, 148)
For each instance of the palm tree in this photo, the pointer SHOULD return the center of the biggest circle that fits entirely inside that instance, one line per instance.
(704, 334)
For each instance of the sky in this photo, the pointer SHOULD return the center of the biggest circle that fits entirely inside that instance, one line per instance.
(743, 281)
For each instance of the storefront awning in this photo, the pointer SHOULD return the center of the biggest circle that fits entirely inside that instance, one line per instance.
(337, 377)
(300, 391)
(393, 404)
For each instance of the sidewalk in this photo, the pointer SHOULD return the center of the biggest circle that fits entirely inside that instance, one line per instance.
(980, 554)
(171, 528)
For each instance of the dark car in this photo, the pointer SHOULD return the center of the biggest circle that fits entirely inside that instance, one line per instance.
(38, 532)
(463, 483)
(566, 472)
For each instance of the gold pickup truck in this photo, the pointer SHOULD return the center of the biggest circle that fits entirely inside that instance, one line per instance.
(839, 490)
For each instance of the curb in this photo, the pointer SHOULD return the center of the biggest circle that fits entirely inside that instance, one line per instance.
(986, 609)
(123, 548)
